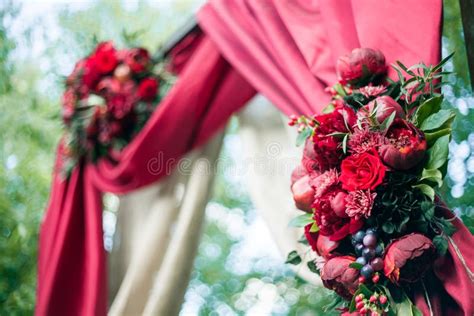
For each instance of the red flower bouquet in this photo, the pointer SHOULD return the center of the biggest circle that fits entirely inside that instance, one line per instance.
(367, 183)
(109, 97)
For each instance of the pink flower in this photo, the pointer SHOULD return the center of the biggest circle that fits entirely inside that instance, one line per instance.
(372, 91)
(364, 140)
(359, 203)
(361, 66)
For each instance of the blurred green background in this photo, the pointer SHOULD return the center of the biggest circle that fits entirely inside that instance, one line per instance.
(39, 42)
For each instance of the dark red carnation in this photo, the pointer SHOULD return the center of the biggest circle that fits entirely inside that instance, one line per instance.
(328, 149)
(332, 223)
(148, 89)
(408, 258)
(138, 59)
(339, 277)
(361, 66)
(362, 171)
(104, 58)
(405, 146)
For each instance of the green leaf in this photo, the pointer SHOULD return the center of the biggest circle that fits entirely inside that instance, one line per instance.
(293, 258)
(388, 121)
(344, 143)
(442, 62)
(433, 175)
(426, 189)
(427, 108)
(442, 118)
(339, 89)
(388, 227)
(441, 245)
(305, 133)
(314, 228)
(328, 109)
(431, 138)
(302, 220)
(356, 265)
(312, 267)
(438, 154)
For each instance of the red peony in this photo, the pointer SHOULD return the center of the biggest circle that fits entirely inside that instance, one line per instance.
(328, 149)
(339, 277)
(309, 161)
(105, 58)
(405, 146)
(361, 66)
(385, 106)
(362, 172)
(138, 59)
(303, 193)
(408, 258)
(323, 245)
(148, 89)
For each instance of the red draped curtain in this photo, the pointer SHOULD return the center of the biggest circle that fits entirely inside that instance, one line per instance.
(285, 50)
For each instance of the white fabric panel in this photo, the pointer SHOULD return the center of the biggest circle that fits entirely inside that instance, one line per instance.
(159, 236)
(270, 149)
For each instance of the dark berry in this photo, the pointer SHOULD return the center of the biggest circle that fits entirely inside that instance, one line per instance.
(377, 264)
(358, 249)
(370, 240)
(367, 271)
(359, 236)
(371, 231)
(362, 261)
(368, 253)
(379, 250)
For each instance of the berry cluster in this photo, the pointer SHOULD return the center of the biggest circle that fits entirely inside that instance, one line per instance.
(373, 306)
(369, 252)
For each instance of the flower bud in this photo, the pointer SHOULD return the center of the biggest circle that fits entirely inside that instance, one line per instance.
(361, 66)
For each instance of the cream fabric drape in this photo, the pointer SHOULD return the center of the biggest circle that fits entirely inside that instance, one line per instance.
(158, 227)
(158, 235)
(269, 147)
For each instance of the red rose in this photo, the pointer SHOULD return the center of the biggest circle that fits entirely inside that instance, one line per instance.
(90, 76)
(362, 172)
(406, 145)
(361, 66)
(328, 149)
(105, 57)
(339, 277)
(138, 59)
(385, 107)
(408, 258)
(148, 89)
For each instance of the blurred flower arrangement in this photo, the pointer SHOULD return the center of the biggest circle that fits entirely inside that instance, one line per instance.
(109, 97)
(371, 164)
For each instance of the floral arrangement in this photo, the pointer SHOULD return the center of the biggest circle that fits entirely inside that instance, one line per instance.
(109, 96)
(371, 165)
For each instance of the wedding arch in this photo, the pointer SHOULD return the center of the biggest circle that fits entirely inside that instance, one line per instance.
(283, 50)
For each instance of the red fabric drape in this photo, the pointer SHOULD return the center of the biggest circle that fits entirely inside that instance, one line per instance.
(284, 49)
(72, 274)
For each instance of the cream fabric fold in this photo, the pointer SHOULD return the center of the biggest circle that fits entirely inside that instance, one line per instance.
(158, 235)
(269, 149)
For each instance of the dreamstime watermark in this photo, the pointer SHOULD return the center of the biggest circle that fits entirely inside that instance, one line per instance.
(272, 161)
